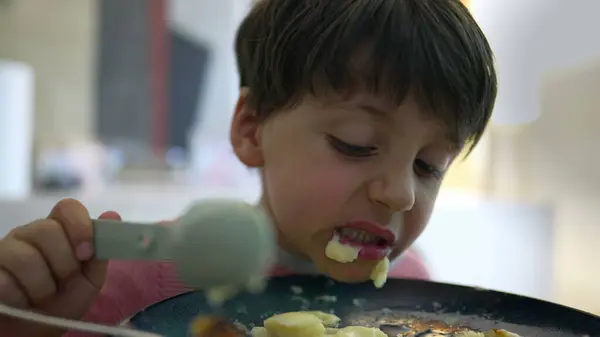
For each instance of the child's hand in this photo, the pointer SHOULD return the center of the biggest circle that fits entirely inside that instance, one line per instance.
(47, 266)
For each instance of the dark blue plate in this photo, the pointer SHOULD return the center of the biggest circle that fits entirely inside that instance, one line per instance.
(432, 304)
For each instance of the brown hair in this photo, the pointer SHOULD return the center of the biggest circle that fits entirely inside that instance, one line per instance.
(434, 48)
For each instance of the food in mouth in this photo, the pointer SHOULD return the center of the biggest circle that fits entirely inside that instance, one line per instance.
(340, 252)
(368, 241)
(364, 240)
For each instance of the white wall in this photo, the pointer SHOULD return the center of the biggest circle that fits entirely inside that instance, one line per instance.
(495, 245)
(57, 38)
(214, 22)
(558, 161)
(554, 33)
(556, 158)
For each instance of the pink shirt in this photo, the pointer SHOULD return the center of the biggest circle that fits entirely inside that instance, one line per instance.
(133, 285)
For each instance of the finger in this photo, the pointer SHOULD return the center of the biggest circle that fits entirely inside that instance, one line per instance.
(95, 270)
(76, 222)
(10, 291)
(49, 237)
(26, 264)
(110, 215)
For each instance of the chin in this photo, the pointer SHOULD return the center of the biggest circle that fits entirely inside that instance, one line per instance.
(355, 272)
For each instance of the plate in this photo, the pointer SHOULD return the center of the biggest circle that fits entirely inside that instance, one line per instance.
(400, 306)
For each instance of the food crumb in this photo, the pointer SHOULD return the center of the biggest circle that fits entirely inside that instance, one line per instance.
(327, 298)
(359, 302)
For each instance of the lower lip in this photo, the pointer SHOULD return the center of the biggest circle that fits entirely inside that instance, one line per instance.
(368, 251)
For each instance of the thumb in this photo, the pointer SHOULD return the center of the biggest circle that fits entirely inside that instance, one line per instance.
(95, 270)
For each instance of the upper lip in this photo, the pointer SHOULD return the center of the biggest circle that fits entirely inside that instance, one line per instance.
(373, 228)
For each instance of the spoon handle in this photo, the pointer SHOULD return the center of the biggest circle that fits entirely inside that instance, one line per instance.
(130, 241)
(72, 325)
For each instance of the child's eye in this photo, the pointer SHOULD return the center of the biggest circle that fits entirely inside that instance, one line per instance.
(428, 171)
(350, 149)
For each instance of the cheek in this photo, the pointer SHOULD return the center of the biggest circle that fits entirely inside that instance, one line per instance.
(306, 197)
(328, 186)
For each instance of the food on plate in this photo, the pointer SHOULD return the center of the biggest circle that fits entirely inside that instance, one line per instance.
(320, 324)
(500, 333)
(294, 324)
(491, 333)
(308, 324)
(213, 326)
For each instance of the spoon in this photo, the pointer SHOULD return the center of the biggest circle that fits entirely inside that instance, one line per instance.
(215, 244)
(68, 324)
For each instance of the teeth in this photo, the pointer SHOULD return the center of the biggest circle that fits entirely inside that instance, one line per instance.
(358, 235)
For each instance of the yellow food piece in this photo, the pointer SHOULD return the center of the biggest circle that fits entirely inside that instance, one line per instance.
(294, 324)
(259, 331)
(331, 331)
(213, 326)
(380, 272)
(500, 333)
(202, 324)
(310, 324)
(328, 320)
(469, 334)
(340, 252)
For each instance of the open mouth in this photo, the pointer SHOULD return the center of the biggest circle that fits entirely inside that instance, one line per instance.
(366, 233)
(360, 237)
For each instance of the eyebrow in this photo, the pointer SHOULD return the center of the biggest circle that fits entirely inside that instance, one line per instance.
(456, 144)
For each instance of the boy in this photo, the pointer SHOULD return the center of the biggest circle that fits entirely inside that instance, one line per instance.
(352, 110)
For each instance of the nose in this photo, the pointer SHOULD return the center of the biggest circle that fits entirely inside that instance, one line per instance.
(395, 190)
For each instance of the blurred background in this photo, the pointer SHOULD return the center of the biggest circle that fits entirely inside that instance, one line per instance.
(126, 105)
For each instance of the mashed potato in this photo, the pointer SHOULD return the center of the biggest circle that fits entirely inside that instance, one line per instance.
(342, 253)
(320, 324)
(310, 324)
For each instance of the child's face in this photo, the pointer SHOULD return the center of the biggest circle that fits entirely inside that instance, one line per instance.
(327, 163)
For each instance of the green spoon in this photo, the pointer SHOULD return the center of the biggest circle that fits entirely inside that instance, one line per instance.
(216, 243)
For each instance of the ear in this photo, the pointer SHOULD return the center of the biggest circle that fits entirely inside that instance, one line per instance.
(245, 133)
